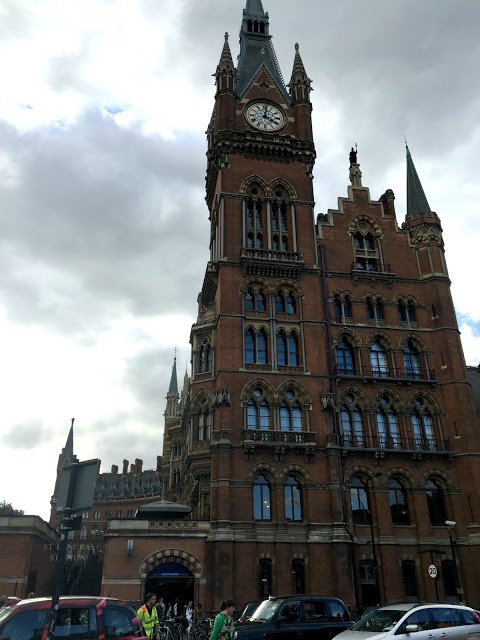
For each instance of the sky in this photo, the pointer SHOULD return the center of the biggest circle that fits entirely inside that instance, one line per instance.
(104, 228)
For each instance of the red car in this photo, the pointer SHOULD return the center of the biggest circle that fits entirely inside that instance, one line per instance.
(79, 618)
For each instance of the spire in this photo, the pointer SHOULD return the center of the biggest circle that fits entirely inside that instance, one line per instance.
(225, 74)
(256, 49)
(67, 456)
(300, 83)
(416, 199)
(173, 388)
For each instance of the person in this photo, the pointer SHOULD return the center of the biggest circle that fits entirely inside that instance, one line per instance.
(170, 610)
(189, 615)
(223, 627)
(178, 608)
(161, 608)
(149, 617)
(199, 614)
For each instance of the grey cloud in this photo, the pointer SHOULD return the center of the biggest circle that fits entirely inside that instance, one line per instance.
(26, 435)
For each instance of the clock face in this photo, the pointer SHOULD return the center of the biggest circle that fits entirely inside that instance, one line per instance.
(265, 116)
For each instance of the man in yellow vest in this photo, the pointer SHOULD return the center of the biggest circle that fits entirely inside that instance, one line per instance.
(149, 617)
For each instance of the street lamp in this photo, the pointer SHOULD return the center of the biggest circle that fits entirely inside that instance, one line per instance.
(374, 549)
(449, 524)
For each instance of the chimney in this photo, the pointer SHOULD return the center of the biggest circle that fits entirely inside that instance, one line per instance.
(138, 465)
(114, 469)
(125, 467)
(132, 468)
(159, 458)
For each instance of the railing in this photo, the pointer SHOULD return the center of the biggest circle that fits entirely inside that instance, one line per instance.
(286, 437)
(272, 254)
(387, 372)
(394, 443)
(358, 266)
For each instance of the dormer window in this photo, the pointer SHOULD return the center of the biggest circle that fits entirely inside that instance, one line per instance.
(365, 247)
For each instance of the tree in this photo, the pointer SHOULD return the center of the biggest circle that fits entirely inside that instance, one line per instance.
(6, 509)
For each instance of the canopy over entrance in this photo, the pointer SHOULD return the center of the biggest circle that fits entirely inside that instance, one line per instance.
(163, 510)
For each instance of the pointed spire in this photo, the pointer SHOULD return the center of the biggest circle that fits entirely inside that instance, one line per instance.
(173, 388)
(416, 199)
(67, 456)
(300, 84)
(254, 8)
(226, 60)
(225, 75)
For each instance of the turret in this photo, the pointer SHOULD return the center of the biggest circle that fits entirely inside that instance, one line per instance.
(300, 84)
(172, 395)
(225, 75)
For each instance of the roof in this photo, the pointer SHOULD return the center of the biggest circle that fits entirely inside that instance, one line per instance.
(416, 199)
(173, 388)
(163, 509)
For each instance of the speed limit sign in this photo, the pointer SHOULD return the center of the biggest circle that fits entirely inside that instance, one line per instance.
(432, 571)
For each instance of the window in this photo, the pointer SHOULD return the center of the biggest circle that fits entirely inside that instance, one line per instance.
(287, 349)
(375, 309)
(258, 411)
(254, 222)
(130, 513)
(298, 577)
(119, 514)
(255, 301)
(285, 303)
(397, 496)
(293, 502)
(411, 362)
(264, 578)
(290, 413)
(85, 515)
(337, 308)
(352, 423)
(347, 307)
(203, 421)
(345, 361)
(449, 578)
(293, 350)
(255, 347)
(364, 247)
(409, 578)
(204, 357)
(96, 515)
(435, 502)
(410, 312)
(359, 501)
(388, 428)
(118, 623)
(402, 311)
(261, 499)
(379, 360)
(423, 429)
(83, 533)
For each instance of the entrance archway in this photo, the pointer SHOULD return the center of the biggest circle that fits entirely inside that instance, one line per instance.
(171, 580)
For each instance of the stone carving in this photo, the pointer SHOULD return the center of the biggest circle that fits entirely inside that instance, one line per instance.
(355, 175)
(222, 397)
(328, 401)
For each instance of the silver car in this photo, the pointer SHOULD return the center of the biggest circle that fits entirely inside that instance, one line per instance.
(413, 621)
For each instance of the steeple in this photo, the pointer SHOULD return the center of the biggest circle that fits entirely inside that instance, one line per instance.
(300, 83)
(173, 388)
(416, 199)
(225, 75)
(67, 456)
(256, 49)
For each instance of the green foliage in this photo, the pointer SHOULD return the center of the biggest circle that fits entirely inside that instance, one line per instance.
(6, 509)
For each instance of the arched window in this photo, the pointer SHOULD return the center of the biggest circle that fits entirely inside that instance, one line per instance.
(358, 240)
(364, 248)
(204, 424)
(280, 306)
(411, 362)
(261, 499)
(369, 242)
(282, 347)
(250, 346)
(378, 309)
(255, 347)
(345, 361)
(370, 309)
(379, 360)
(293, 350)
(402, 311)
(347, 307)
(249, 301)
(249, 25)
(298, 577)
(264, 578)
(290, 304)
(449, 578)
(260, 303)
(423, 429)
(262, 347)
(262, 27)
(388, 428)
(337, 308)
(359, 501)
(293, 501)
(205, 357)
(397, 496)
(258, 411)
(352, 423)
(410, 312)
(409, 578)
(290, 413)
(435, 502)
(255, 26)
(287, 349)
(83, 533)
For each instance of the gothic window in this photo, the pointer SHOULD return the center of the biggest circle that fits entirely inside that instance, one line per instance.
(280, 303)
(264, 578)
(435, 502)
(345, 360)
(261, 499)
(352, 423)
(290, 413)
(284, 243)
(365, 248)
(249, 301)
(250, 340)
(358, 240)
(359, 501)
(282, 348)
(379, 360)
(255, 222)
(293, 501)
(255, 300)
(285, 303)
(287, 349)
(276, 243)
(410, 312)
(258, 411)
(204, 419)
(293, 359)
(337, 308)
(205, 357)
(249, 25)
(375, 309)
(290, 304)
(259, 241)
(388, 428)
(298, 577)
(411, 362)
(409, 576)
(423, 429)
(397, 496)
(370, 309)
(250, 241)
(347, 307)
(260, 302)
(262, 27)
(255, 346)
(119, 514)
(279, 218)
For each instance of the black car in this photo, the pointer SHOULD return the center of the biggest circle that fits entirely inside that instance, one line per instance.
(248, 610)
(296, 618)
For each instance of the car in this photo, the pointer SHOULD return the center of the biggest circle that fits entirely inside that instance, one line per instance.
(248, 611)
(79, 618)
(292, 617)
(416, 621)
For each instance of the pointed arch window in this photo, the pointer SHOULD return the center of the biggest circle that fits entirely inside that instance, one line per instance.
(397, 496)
(204, 423)
(261, 499)
(388, 428)
(423, 427)
(347, 308)
(293, 350)
(255, 346)
(435, 502)
(290, 304)
(250, 346)
(359, 500)
(411, 362)
(365, 248)
(255, 300)
(402, 311)
(352, 424)
(379, 360)
(293, 499)
(258, 412)
(287, 349)
(345, 359)
(337, 308)
(290, 413)
(280, 306)
(249, 301)
(410, 312)
(205, 357)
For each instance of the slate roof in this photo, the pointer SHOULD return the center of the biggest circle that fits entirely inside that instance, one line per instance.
(111, 486)
(173, 388)
(416, 199)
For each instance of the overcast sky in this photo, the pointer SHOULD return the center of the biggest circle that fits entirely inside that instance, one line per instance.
(104, 228)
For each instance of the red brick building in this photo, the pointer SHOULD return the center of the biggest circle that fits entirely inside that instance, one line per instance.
(328, 431)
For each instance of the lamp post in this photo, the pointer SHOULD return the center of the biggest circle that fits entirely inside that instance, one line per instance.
(449, 524)
(374, 549)
(438, 553)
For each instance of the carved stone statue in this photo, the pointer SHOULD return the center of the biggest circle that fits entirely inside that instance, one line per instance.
(355, 175)
(353, 156)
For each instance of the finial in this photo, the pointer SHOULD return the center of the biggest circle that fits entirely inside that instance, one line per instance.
(297, 48)
(175, 351)
(73, 420)
(226, 35)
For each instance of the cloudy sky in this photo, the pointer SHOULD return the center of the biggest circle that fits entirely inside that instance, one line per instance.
(104, 229)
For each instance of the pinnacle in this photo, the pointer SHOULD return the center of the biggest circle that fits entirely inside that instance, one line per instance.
(416, 199)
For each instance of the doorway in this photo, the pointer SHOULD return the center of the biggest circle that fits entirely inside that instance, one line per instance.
(169, 581)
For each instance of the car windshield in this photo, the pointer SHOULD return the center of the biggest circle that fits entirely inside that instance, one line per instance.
(379, 620)
(265, 611)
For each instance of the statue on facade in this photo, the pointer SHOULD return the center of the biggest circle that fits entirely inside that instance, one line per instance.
(353, 156)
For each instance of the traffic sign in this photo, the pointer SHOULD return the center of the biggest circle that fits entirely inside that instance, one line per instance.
(432, 571)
